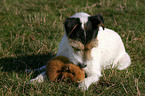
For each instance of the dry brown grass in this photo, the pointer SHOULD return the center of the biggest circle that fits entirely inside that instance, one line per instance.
(32, 29)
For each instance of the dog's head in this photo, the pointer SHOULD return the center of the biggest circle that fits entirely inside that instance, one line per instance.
(81, 30)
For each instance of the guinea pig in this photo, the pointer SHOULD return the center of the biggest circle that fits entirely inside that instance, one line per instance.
(60, 67)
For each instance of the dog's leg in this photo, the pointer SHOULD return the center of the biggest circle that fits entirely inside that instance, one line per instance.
(39, 78)
(93, 72)
(124, 61)
(38, 69)
(88, 81)
(41, 68)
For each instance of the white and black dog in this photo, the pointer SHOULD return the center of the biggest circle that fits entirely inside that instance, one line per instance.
(91, 47)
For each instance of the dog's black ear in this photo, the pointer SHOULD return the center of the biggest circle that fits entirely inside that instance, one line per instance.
(96, 21)
(71, 24)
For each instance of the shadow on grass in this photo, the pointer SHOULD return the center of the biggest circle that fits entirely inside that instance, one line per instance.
(21, 63)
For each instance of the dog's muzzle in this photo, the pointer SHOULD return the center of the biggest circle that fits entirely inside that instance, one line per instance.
(82, 65)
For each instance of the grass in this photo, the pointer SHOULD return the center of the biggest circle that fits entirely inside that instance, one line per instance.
(32, 29)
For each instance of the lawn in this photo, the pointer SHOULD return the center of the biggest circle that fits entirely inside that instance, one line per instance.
(30, 32)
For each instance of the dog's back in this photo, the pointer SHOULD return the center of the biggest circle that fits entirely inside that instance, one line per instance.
(110, 48)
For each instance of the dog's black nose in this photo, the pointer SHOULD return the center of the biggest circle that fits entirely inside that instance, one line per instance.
(82, 65)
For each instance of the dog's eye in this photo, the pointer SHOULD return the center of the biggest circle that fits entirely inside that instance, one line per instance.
(86, 49)
(75, 49)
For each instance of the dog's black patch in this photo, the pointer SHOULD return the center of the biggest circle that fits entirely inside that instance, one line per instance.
(74, 29)
(92, 27)
(76, 33)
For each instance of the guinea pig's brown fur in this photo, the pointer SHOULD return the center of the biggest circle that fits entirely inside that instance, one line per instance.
(60, 67)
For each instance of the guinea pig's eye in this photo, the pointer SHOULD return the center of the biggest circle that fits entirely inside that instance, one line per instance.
(73, 73)
(79, 80)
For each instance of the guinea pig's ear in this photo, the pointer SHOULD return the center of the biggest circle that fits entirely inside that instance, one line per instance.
(66, 68)
(96, 21)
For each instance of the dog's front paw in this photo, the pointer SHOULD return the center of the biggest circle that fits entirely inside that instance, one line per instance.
(83, 86)
(32, 81)
(40, 78)
(35, 80)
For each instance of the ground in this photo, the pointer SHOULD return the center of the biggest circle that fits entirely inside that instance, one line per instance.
(32, 29)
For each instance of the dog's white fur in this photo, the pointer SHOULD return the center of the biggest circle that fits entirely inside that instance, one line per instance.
(109, 53)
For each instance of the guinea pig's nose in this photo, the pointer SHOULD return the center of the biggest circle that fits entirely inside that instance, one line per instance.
(82, 65)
